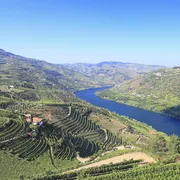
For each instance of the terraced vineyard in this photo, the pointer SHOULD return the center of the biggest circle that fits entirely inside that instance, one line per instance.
(165, 172)
(127, 170)
(97, 171)
(62, 137)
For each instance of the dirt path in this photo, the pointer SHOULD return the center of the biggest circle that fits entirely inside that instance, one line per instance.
(118, 159)
(84, 160)
(117, 148)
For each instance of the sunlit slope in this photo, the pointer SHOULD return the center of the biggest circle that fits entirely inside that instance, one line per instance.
(157, 91)
(36, 80)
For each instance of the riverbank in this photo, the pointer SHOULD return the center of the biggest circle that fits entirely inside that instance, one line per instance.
(134, 104)
(163, 123)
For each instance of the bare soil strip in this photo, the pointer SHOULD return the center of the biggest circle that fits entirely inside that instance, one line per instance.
(118, 159)
(84, 160)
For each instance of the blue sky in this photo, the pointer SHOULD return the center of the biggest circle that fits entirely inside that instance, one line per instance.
(68, 31)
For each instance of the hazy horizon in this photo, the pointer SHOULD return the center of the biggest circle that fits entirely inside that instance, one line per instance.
(77, 31)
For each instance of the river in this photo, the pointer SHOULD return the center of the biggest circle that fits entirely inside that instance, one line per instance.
(163, 123)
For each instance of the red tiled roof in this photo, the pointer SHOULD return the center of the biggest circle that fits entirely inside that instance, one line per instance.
(36, 119)
(28, 119)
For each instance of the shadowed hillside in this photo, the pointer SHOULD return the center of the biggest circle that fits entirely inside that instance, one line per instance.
(30, 79)
(173, 111)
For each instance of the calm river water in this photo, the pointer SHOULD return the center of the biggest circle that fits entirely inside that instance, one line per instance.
(163, 123)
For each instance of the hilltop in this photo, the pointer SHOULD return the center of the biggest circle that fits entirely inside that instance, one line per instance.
(31, 79)
(156, 91)
(24, 78)
(111, 73)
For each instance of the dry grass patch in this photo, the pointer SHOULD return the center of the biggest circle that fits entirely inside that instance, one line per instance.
(107, 122)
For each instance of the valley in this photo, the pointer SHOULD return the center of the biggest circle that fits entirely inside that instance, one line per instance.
(111, 73)
(156, 91)
(170, 124)
(90, 90)
(48, 131)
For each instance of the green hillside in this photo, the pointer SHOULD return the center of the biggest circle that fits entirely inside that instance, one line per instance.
(70, 132)
(46, 131)
(65, 133)
(30, 79)
(156, 91)
(127, 170)
(111, 73)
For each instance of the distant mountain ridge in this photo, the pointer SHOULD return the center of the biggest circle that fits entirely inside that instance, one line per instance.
(118, 63)
(35, 79)
(80, 75)
(111, 73)
(125, 63)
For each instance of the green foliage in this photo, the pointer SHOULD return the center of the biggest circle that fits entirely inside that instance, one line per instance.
(154, 172)
(62, 139)
(29, 79)
(29, 95)
(6, 113)
(13, 167)
(126, 171)
(174, 145)
(156, 91)
(159, 145)
(40, 88)
(96, 171)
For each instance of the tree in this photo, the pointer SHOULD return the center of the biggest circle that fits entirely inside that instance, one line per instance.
(174, 145)
(159, 145)
(129, 129)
